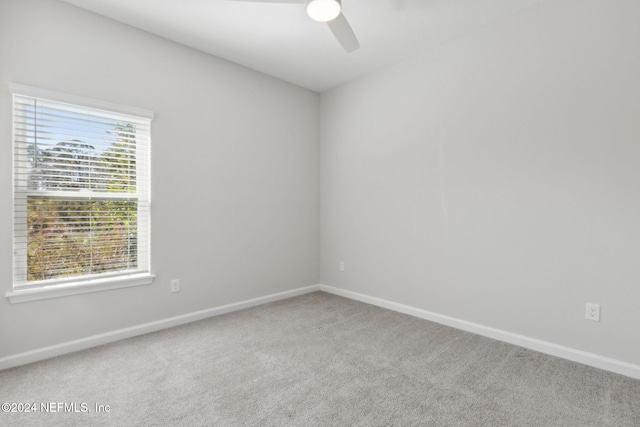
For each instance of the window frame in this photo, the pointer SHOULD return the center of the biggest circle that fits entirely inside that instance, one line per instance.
(22, 290)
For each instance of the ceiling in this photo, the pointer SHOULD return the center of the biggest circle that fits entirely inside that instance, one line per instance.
(282, 41)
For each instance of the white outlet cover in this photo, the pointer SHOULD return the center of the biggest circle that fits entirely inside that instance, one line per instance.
(592, 312)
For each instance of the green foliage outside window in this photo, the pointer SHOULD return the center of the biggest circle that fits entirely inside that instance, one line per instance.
(71, 236)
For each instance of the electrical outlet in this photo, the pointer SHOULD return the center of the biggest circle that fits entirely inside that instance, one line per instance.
(175, 285)
(341, 265)
(593, 312)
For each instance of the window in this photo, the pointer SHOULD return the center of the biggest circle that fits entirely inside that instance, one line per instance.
(81, 195)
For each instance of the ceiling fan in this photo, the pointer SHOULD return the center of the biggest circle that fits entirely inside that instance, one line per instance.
(329, 11)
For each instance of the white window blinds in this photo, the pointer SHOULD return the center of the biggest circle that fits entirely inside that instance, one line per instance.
(81, 190)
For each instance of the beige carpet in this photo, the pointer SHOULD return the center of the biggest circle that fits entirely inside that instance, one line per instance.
(318, 360)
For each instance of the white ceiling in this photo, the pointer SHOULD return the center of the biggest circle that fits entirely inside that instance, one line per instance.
(282, 41)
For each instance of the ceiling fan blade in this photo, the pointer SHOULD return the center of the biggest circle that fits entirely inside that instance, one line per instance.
(274, 1)
(344, 33)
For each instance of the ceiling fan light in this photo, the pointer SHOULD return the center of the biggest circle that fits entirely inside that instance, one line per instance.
(323, 10)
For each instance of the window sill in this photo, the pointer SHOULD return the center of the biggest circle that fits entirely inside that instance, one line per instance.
(80, 287)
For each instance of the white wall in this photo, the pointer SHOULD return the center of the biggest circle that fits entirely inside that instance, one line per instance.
(235, 170)
(497, 179)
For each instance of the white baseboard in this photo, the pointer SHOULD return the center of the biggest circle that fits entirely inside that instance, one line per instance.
(568, 353)
(590, 359)
(96, 340)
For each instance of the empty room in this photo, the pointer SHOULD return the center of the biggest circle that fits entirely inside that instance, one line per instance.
(320, 212)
